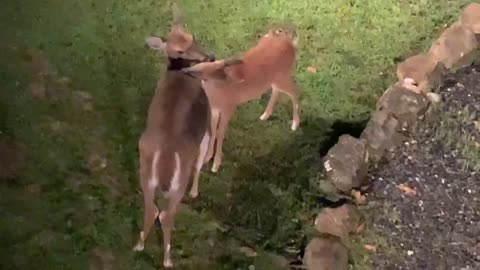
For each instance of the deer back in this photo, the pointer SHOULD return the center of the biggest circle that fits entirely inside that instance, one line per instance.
(178, 112)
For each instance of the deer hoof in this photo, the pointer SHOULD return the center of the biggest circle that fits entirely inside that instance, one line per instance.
(139, 247)
(294, 126)
(194, 193)
(167, 263)
(264, 117)
(215, 168)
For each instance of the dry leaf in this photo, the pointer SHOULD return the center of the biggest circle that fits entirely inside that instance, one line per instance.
(312, 69)
(407, 189)
(477, 124)
(358, 197)
(370, 248)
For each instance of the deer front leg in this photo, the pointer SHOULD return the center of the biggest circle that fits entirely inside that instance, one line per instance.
(198, 166)
(271, 104)
(222, 128)
(287, 85)
(213, 127)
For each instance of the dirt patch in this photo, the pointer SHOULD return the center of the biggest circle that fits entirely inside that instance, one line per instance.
(12, 158)
(426, 198)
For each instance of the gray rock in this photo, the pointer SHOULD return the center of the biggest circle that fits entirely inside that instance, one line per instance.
(346, 163)
(326, 253)
(472, 57)
(421, 69)
(381, 133)
(340, 221)
(404, 105)
(453, 44)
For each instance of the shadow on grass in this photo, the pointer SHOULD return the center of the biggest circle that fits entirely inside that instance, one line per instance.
(273, 198)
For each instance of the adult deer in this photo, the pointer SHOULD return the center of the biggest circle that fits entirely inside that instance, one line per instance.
(176, 135)
(229, 83)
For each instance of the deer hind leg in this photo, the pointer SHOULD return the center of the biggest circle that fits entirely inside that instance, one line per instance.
(287, 85)
(271, 103)
(222, 129)
(150, 209)
(214, 119)
(175, 196)
(198, 166)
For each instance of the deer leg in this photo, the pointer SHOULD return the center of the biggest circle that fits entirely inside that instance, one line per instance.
(287, 85)
(198, 166)
(271, 104)
(150, 209)
(150, 214)
(167, 217)
(222, 128)
(215, 116)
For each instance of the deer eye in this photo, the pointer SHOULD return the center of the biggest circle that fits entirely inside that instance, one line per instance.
(180, 52)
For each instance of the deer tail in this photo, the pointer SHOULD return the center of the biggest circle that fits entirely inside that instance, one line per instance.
(163, 169)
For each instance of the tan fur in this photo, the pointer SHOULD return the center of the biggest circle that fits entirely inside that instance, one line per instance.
(177, 123)
(455, 42)
(231, 83)
(471, 17)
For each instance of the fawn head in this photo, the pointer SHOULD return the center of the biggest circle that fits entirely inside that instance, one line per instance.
(179, 44)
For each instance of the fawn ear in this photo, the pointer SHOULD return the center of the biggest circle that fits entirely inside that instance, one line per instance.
(195, 72)
(233, 62)
(177, 22)
(234, 70)
(156, 43)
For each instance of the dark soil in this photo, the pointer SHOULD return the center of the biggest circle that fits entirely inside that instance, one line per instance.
(438, 227)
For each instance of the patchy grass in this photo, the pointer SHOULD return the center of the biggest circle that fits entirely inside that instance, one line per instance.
(60, 209)
(452, 133)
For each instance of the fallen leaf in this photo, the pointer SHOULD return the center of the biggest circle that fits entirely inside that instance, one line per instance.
(312, 69)
(358, 197)
(477, 124)
(248, 252)
(370, 248)
(407, 189)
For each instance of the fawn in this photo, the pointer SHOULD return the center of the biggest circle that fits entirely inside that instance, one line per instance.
(229, 83)
(177, 132)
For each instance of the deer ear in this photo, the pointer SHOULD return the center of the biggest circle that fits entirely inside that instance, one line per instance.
(156, 43)
(177, 16)
(233, 62)
(195, 72)
(234, 70)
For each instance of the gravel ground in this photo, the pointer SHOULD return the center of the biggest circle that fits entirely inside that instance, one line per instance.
(433, 222)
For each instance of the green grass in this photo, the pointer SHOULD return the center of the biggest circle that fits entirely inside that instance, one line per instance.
(450, 127)
(265, 192)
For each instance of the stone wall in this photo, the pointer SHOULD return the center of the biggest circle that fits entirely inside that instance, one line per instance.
(397, 113)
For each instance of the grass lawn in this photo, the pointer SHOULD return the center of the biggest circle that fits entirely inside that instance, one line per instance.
(264, 194)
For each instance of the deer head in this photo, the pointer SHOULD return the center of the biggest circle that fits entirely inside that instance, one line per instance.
(179, 44)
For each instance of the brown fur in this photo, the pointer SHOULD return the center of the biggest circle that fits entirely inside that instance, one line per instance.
(231, 83)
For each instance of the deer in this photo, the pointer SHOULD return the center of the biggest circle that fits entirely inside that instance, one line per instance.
(229, 83)
(177, 132)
